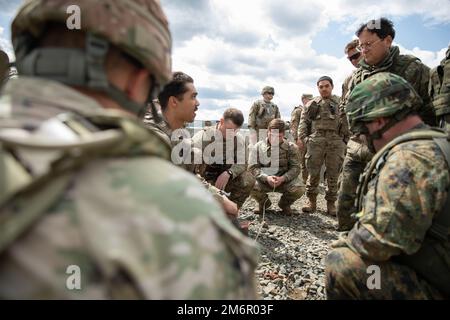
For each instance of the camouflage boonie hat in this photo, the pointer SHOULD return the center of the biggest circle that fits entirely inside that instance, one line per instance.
(307, 96)
(268, 89)
(138, 27)
(382, 95)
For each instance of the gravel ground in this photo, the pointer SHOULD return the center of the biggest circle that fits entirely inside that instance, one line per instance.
(293, 249)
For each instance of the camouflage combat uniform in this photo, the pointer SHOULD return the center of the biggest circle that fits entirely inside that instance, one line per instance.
(357, 156)
(92, 188)
(261, 113)
(403, 195)
(320, 129)
(241, 181)
(288, 166)
(295, 122)
(439, 91)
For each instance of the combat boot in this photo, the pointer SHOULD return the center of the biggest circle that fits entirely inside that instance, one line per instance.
(286, 210)
(331, 208)
(311, 205)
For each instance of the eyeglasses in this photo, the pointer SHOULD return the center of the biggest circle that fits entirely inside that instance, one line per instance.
(354, 56)
(367, 45)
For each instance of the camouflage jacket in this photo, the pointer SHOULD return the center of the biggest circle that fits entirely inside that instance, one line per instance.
(322, 114)
(407, 190)
(266, 160)
(261, 113)
(406, 66)
(295, 121)
(214, 149)
(135, 225)
(439, 88)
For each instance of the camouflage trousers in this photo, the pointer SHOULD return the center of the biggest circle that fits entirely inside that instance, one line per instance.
(356, 159)
(239, 188)
(328, 150)
(290, 191)
(303, 165)
(348, 276)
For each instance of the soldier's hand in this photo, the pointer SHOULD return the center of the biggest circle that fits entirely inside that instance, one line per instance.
(222, 180)
(231, 208)
(279, 181)
(271, 180)
(300, 144)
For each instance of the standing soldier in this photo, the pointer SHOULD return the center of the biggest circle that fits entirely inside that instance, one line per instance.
(229, 170)
(261, 113)
(91, 207)
(295, 122)
(4, 68)
(375, 43)
(280, 175)
(400, 246)
(440, 91)
(354, 56)
(320, 127)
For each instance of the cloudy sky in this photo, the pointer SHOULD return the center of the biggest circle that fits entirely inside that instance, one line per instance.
(232, 48)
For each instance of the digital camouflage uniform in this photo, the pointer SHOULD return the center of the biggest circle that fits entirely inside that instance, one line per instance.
(261, 113)
(439, 90)
(241, 182)
(357, 156)
(407, 187)
(94, 189)
(286, 163)
(321, 130)
(295, 122)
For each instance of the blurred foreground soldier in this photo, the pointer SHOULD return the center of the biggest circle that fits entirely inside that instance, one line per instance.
(4, 68)
(400, 246)
(224, 160)
(440, 91)
(91, 208)
(320, 130)
(274, 163)
(261, 113)
(295, 122)
(379, 55)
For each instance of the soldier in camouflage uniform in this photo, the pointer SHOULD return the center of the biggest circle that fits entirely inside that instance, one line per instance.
(295, 122)
(439, 90)
(280, 173)
(375, 38)
(320, 131)
(226, 169)
(4, 68)
(354, 56)
(404, 203)
(85, 185)
(261, 113)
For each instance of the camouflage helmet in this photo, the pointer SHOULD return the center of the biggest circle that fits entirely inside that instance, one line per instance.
(384, 95)
(138, 27)
(307, 96)
(268, 89)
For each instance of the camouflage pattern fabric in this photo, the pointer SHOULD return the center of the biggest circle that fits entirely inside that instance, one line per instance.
(242, 182)
(295, 122)
(417, 74)
(439, 90)
(402, 199)
(320, 125)
(288, 166)
(136, 226)
(261, 113)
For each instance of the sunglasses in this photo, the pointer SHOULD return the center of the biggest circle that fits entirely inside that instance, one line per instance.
(354, 56)
(270, 93)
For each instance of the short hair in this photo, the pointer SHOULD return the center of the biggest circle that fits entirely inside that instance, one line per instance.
(175, 88)
(235, 115)
(351, 45)
(277, 124)
(325, 78)
(382, 27)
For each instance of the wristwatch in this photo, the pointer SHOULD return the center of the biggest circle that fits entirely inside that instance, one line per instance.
(230, 173)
